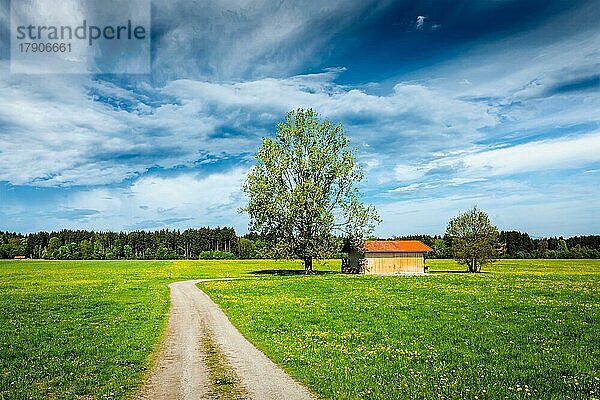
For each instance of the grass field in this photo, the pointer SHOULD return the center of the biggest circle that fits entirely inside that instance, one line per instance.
(524, 329)
(71, 329)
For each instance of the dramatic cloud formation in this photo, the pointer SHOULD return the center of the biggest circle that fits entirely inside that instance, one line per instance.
(496, 105)
(249, 39)
(119, 134)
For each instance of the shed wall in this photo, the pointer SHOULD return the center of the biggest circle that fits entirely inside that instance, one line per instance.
(389, 263)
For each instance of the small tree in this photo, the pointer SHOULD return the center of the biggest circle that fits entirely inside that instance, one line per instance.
(439, 248)
(303, 189)
(474, 239)
(53, 245)
(246, 248)
(127, 251)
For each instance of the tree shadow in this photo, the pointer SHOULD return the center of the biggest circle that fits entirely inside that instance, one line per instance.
(289, 272)
(453, 271)
(446, 271)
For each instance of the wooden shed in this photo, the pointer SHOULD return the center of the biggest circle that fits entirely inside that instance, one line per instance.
(387, 257)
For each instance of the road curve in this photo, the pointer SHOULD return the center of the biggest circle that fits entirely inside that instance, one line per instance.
(181, 372)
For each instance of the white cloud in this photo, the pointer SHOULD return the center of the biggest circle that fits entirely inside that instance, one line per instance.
(185, 191)
(523, 65)
(516, 74)
(420, 21)
(57, 133)
(413, 187)
(464, 181)
(483, 164)
(184, 200)
(569, 152)
(249, 39)
(403, 172)
(407, 188)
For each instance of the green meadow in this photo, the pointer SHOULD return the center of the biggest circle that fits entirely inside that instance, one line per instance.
(521, 329)
(71, 329)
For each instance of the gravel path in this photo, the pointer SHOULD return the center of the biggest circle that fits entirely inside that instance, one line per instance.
(181, 371)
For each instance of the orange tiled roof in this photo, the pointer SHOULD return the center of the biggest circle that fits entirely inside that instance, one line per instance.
(395, 246)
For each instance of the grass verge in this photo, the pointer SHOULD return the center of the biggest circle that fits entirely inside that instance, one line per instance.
(225, 384)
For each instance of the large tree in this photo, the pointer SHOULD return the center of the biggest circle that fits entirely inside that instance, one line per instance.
(474, 239)
(302, 191)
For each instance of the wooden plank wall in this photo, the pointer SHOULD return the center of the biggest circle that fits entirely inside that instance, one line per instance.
(389, 263)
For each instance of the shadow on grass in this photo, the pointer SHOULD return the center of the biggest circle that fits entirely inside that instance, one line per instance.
(289, 272)
(453, 271)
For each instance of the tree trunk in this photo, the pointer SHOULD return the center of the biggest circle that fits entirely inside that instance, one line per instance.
(472, 265)
(308, 265)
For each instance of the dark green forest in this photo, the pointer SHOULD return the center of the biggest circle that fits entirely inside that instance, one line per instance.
(163, 245)
(224, 243)
(514, 244)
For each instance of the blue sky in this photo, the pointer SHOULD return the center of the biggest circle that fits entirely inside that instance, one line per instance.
(451, 104)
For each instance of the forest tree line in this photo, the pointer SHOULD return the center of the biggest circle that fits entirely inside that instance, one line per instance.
(88, 245)
(220, 243)
(514, 244)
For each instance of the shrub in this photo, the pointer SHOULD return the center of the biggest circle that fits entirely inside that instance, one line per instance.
(216, 255)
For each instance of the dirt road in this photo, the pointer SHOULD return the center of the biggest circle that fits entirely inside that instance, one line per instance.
(182, 371)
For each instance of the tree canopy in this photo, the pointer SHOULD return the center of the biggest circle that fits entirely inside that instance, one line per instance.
(302, 190)
(474, 239)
